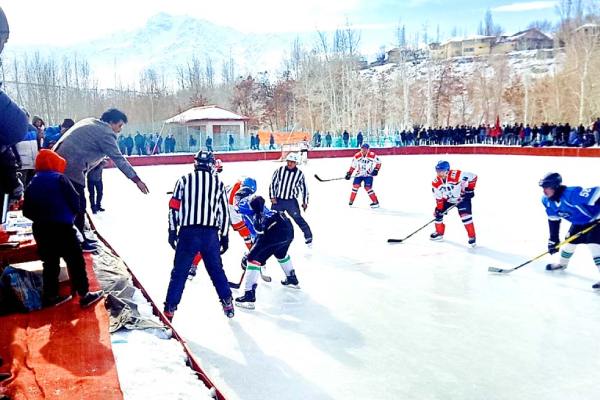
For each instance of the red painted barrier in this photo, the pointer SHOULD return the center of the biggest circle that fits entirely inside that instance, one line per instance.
(164, 159)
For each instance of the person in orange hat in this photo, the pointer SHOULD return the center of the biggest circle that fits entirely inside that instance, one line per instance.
(52, 203)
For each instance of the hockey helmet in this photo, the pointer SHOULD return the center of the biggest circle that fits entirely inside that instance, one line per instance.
(257, 204)
(203, 160)
(248, 184)
(365, 146)
(442, 166)
(293, 157)
(551, 180)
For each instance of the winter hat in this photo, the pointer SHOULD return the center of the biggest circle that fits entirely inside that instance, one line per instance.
(47, 160)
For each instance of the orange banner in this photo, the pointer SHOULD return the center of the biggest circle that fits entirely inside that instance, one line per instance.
(283, 137)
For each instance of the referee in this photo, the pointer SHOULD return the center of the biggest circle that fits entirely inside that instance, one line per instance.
(287, 185)
(199, 222)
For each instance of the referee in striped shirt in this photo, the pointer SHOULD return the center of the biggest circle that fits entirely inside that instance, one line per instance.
(199, 222)
(288, 184)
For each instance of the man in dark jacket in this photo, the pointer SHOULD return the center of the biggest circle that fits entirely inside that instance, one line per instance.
(129, 144)
(84, 145)
(51, 203)
(13, 127)
(140, 144)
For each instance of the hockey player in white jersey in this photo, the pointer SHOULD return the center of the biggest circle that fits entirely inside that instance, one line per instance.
(453, 187)
(366, 165)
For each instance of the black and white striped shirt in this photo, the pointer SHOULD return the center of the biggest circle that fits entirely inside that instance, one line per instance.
(199, 198)
(288, 184)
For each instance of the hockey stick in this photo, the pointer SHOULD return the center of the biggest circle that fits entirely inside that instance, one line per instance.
(234, 285)
(328, 180)
(423, 227)
(264, 277)
(567, 240)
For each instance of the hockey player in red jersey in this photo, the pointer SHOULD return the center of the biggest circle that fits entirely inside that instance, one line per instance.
(367, 165)
(452, 186)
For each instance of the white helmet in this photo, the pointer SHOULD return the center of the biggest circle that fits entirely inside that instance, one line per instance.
(292, 157)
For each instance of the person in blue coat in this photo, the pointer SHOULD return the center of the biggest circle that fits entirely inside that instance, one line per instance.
(53, 133)
(13, 127)
(579, 206)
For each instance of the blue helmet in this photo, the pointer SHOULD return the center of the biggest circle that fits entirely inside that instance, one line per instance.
(551, 180)
(365, 146)
(442, 166)
(249, 183)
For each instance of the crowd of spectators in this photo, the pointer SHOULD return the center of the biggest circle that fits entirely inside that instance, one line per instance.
(546, 134)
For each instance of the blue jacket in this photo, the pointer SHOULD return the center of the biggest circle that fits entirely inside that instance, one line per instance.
(13, 121)
(256, 224)
(50, 198)
(51, 135)
(577, 205)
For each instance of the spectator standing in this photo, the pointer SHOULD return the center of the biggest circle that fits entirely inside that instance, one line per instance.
(85, 144)
(52, 202)
(345, 138)
(13, 128)
(27, 150)
(53, 133)
(231, 142)
(129, 144)
(328, 139)
(209, 144)
(140, 143)
(272, 142)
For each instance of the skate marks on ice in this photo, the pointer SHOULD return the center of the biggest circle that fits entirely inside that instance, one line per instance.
(258, 375)
(302, 332)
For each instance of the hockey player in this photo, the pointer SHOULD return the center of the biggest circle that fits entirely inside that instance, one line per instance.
(367, 165)
(452, 186)
(242, 188)
(288, 185)
(579, 206)
(199, 222)
(274, 234)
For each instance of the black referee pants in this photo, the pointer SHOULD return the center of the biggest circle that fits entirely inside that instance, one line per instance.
(293, 209)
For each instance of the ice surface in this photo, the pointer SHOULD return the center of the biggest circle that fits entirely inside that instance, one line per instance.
(417, 320)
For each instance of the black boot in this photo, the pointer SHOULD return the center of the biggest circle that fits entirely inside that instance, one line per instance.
(90, 298)
(248, 299)
(291, 280)
(228, 307)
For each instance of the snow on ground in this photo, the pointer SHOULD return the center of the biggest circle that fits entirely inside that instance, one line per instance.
(151, 365)
(418, 320)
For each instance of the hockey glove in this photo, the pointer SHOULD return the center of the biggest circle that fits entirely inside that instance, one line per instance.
(244, 261)
(552, 249)
(348, 175)
(224, 243)
(173, 239)
(468, 194)
(375, 172)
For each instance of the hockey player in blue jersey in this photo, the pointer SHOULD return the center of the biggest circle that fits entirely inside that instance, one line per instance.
(579, 206)
(273, 233)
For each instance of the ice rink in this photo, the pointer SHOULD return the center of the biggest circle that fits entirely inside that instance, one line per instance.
(417, 320)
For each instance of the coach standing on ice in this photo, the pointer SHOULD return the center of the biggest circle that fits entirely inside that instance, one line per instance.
(199, 223)
(288, 184)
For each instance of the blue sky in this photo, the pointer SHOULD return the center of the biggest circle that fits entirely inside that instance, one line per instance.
(63, 22)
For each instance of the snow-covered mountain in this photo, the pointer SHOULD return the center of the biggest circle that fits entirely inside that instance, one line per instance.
(167, 41)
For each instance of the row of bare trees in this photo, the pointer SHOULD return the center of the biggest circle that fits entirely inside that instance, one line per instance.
(324, 88)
